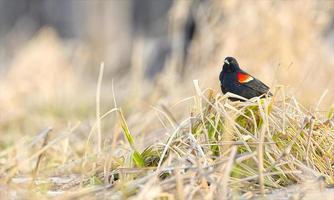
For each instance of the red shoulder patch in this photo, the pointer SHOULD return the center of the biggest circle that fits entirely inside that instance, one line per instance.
(244, 78)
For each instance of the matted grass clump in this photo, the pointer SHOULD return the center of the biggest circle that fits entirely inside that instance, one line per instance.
(233, 148)
(222, 149)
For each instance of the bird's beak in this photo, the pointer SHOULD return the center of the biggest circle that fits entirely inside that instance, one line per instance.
(226, 62)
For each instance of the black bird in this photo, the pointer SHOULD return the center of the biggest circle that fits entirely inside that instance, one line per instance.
(236, 81)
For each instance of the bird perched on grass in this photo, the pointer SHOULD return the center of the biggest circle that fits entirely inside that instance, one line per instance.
(236, 81)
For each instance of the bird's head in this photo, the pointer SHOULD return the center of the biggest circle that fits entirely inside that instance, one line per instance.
(230, 65)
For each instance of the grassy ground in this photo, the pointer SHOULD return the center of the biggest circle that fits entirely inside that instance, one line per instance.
(219, 149)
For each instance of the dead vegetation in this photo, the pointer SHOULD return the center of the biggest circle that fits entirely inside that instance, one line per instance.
(223, 148)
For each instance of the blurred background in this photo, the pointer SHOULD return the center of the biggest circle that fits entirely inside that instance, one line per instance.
(50, 55)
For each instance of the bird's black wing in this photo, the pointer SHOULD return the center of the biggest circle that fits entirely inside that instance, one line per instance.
(255, 84)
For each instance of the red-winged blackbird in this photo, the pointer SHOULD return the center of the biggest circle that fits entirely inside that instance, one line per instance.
(236, 81)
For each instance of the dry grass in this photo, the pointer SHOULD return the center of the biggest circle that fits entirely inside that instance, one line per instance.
(223, 148)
